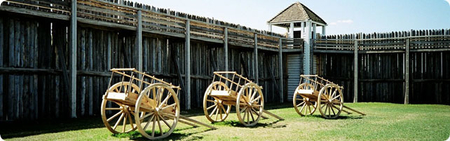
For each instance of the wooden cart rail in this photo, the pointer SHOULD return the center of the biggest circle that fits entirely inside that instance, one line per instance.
(316, 80)
(235, 80)
(153, 79)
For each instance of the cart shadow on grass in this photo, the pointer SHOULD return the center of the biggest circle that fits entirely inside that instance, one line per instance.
(15, 128)
(176, 135)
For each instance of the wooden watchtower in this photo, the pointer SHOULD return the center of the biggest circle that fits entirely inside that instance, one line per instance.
(300, 23)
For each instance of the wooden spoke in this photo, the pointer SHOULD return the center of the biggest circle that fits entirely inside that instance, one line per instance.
(212, 106)
(164, 101)
(302, 103)
(124, 122)
(257, 98)
(253, 95)
(220, 111)
(165, 122)
(113, 109)
(171, 105)
(146, 116)
(159, 125)
(153, 127)
(130, 120)
(118, 121)
(331, 107)
(114, 116)
(215, 108)
(148, 122)
(217, 111)
(249, 112)
(223, 109)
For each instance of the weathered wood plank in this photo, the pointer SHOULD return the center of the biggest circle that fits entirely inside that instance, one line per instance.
(188, 66)
(407, 73)
(91, 65)
(2, 47)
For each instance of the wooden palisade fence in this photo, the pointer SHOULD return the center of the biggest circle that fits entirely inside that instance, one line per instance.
(400, 67)
(36, 62)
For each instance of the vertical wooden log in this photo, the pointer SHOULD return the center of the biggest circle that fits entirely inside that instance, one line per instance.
(83, 67)
(280, 70)
(139, 39)
(73, 59)
(225, 47)
(34, 82)
(91, 66)
(11, 57)
(188, 65)
(256, 73)
(355, 73)
(108, 55)
(407, 73)
(17, 53)
(1, 65)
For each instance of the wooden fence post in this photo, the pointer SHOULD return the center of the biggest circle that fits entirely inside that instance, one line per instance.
(73, 59)
(225, 46)
(280, 67)
(187, 49)
(139, 39)
(256, 59)
(407, 72)
(355, 71)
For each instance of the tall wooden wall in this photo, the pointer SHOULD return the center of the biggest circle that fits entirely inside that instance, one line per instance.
(34, 76)
(381, 63)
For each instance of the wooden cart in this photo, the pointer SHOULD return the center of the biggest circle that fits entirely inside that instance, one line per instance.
(229, 88)
(316, 92)
(144, 102)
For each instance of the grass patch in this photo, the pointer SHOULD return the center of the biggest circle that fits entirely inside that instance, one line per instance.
(384, 121)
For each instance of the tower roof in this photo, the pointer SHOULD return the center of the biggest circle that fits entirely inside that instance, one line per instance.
(296, 12)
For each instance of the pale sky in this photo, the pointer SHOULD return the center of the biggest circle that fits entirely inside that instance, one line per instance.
(342, 16)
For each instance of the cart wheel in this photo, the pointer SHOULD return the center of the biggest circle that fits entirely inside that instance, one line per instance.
(331, 101)
(249, 104)
(308, 106)
(214, 108)
(116, 115)
(158, 107)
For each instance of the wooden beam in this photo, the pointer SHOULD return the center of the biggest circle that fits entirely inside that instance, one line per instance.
(73, 59)
(2, 47)
(187, 50)
(307, 50)
(407, 72)
(34, 13)
(225, 46)
(280, 69)
(256, 59)
(139, 40)
(355, 73)
(108, 52)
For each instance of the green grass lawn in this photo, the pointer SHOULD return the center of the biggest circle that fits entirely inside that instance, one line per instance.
(384, 121)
